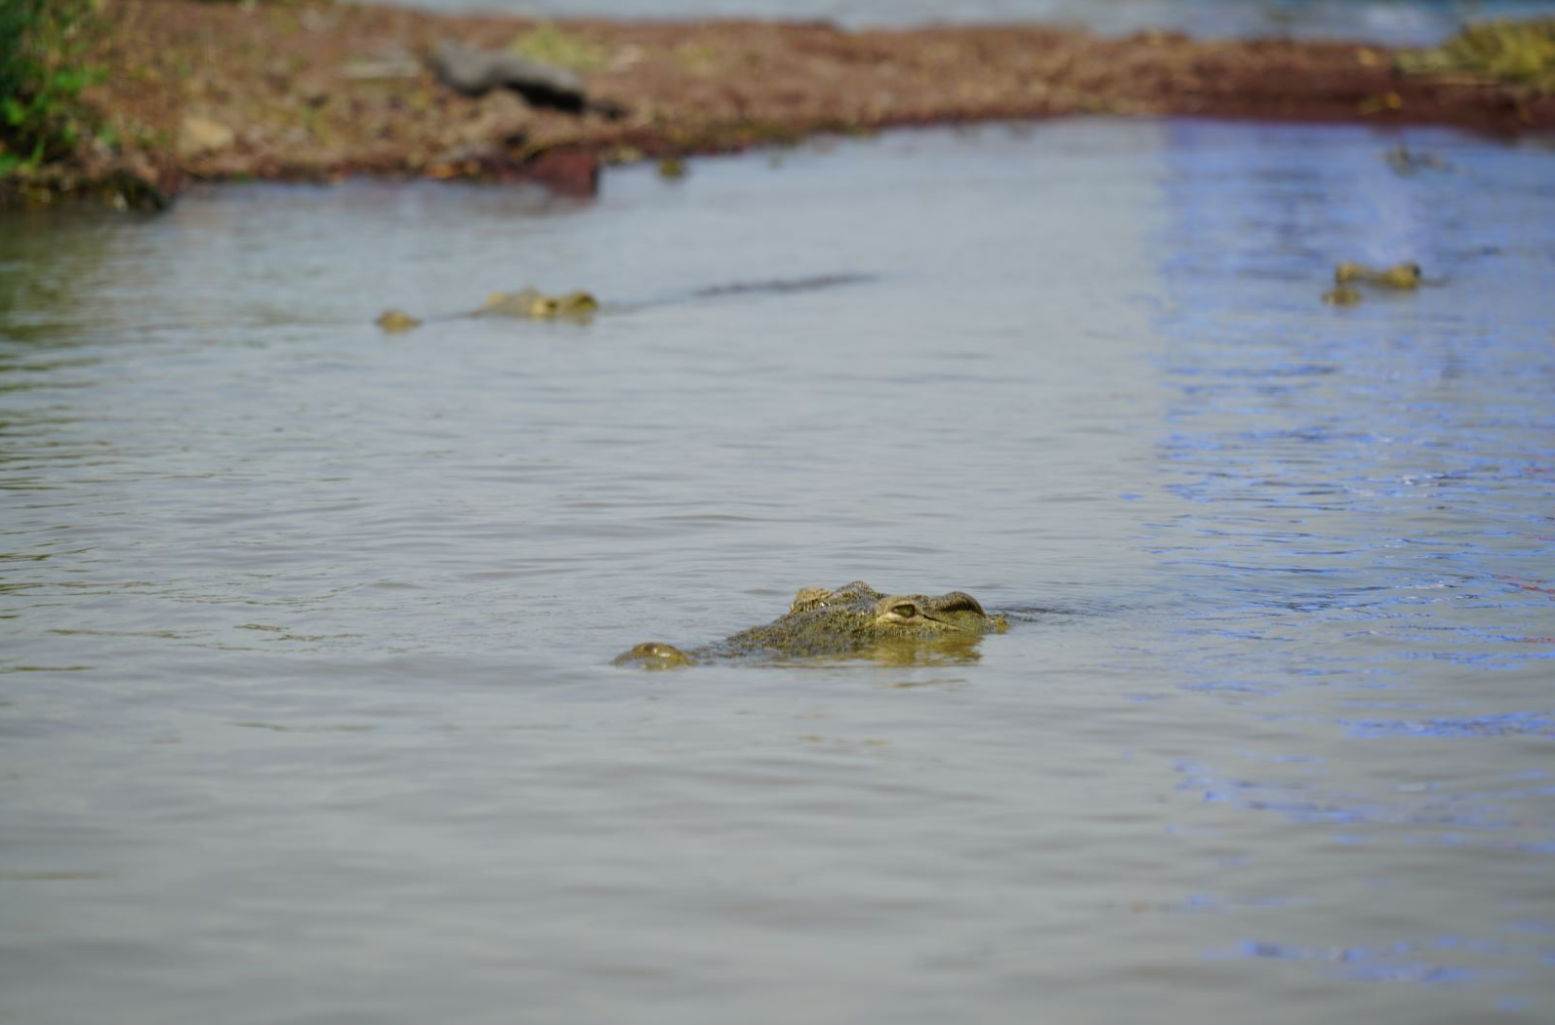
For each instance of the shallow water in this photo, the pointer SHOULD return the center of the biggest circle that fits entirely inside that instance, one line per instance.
(1393, 22)
(307, 707)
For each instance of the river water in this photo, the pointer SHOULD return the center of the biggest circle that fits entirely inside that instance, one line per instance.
(1393, 22)
(308, 713)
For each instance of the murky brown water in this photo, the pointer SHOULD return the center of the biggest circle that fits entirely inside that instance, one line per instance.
(307, 712)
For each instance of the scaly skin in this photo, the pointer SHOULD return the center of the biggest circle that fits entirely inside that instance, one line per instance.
(527, 304)
(536, 306)
(1403, 276)
(853, 619)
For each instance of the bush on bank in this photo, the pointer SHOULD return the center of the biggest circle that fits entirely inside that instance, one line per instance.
(42, 73)
(1518, 52)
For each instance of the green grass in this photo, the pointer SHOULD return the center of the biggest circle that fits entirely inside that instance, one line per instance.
(1517, 52)
(42, 74)
(551, 45)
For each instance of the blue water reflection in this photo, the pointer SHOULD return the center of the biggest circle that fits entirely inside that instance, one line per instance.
(1366, 504)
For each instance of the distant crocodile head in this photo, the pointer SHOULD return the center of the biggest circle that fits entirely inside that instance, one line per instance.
(853, 619)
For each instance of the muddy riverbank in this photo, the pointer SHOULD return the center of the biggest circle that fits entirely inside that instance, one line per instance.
(195, 91)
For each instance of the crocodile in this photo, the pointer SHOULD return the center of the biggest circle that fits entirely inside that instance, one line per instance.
(526, 303)
(580, 307)
(854, 619)
(1402, 276)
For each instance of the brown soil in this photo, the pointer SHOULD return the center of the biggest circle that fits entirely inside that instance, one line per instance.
(323, 90)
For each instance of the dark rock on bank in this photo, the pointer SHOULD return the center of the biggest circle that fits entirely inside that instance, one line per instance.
(474, 72)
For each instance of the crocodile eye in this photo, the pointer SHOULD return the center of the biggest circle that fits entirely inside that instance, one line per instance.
(906, 610)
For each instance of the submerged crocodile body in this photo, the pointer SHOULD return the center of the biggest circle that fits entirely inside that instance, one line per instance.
(529, 304)
(855, 619)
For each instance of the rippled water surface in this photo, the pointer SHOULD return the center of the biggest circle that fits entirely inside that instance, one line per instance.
(1396, 22)
(307, 711)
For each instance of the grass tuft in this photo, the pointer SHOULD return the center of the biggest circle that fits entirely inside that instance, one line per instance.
(42, 74)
